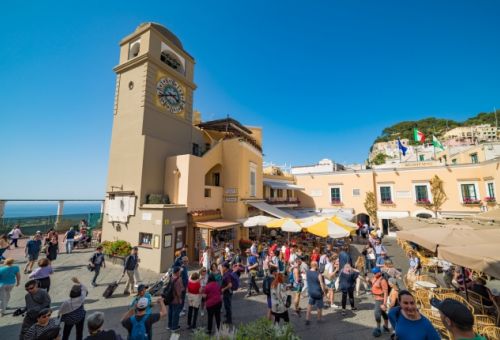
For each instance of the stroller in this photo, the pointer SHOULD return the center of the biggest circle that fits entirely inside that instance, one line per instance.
(156, 288)
(82, 241)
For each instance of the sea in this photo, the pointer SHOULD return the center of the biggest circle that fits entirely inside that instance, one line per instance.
(32, 209)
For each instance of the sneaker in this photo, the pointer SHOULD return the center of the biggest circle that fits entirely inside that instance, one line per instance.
(334, 306)
(175, 329)
(354, 308)
(308, 322)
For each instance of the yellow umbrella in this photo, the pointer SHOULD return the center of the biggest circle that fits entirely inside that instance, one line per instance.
(349, 226)
(286, 224)
(326, 228)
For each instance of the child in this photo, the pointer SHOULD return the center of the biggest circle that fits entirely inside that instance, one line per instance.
(194, 299)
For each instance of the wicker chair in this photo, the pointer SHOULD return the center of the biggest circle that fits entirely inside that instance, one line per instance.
(491, 332)
(408, 284)
(458, 298)
(422, 297)
(478, 301)
(427, 278)
(482, 321)
(442, 290)
(435, 318)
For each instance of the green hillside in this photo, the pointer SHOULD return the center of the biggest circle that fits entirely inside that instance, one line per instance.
(432, 126)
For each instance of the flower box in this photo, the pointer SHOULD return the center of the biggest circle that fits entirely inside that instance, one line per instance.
(470, 201)
(423, 202)
(387, 202)
(337, 202)
(490, 200)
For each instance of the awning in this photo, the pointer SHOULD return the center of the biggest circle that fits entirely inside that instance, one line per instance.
(480, 257)
(282, 185)
(217, 224)
(263, 206)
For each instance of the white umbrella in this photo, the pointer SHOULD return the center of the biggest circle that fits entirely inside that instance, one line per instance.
(259, 220)
(291, 226)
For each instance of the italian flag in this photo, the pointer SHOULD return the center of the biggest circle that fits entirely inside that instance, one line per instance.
(418, 135)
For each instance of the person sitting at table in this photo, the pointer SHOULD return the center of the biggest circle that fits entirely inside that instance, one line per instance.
(479, 287)
(459, 280)
(414, 263)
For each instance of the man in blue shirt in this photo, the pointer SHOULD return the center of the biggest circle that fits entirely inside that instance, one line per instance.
(32, 251)
(252, 268)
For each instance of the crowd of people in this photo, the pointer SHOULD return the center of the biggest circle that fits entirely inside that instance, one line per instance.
(325, 272)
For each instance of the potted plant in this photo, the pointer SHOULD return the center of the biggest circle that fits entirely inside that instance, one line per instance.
(423, 201)
(490, 200)
(471, 201)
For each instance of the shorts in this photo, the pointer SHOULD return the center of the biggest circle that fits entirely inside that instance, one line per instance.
(331, 285)
(32, 257)
(269, 303)
(316, 302)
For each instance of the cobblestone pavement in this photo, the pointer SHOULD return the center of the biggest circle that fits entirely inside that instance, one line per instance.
(355, 325)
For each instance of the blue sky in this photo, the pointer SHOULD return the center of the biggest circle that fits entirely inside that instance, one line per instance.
(323, 78)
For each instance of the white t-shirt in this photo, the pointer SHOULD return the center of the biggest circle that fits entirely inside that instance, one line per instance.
(329, 269)
(292, 258)
(15, 233)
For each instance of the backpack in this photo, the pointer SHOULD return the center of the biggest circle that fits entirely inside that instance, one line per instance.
(235, 281)
(168, 292)
(281, 266)
(138, 331)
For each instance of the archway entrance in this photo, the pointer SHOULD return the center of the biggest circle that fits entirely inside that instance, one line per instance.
(363, 218)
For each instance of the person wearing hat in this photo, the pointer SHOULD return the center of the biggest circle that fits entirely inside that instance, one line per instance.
(457, 319)
(96, 262)
(408, 323)
(95, 322)
(44, 328)
(142, 293)
(380, 292)
(175, 307)
(136, 316)
(72, 311)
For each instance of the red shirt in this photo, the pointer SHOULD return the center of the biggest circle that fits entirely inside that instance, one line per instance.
(194, 287)
(212, 290)
(273, 248)
(315, 257)
(287, 254)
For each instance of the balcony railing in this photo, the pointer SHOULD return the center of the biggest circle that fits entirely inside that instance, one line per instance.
(274, 201)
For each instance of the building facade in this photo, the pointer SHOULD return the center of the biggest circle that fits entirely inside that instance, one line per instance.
(174, 180)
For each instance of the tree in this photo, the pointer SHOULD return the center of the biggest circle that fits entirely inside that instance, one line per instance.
(379, 159)
(438, 194)
(371, 205)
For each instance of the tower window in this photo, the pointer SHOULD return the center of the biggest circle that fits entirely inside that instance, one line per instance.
(134, 48)
(171, 60)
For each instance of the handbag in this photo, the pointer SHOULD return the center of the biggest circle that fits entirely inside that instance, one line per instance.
(288, 302)
(90, 267)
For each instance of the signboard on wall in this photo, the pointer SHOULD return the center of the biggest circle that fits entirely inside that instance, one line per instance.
(230, 199)
(231, 191)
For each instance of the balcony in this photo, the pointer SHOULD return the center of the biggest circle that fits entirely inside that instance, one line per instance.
(388, 203)
(283, 202)
(336, 202)
(471, 201)
(423, 202)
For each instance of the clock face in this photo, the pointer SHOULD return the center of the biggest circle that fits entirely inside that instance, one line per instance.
(170, 94)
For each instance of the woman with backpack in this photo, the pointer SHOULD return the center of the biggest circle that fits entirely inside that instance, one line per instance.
(72, 311)
(279, 299)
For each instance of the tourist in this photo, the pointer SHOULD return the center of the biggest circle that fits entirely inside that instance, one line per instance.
(52, 249)
(194, 299)
(32, 251)
(369, 253)
(379, 262)
(213, 303)
(344, 257)
(266, 289)
(379, 248)
(393, 298)
(364, 230)
(185, 279)
(42, 274)
(227, 291)
(479, 287)
(414, 263)
(389, 269)
(380, 292)
(253, 248)
(203, 282)
(45, 328)
(69, 238)
(177, 259)
(50, 234)
(142, 293)
(360, 266)
(265, 265)
(95, 321)
(330, 275)
(214, 270)
(131, 262)
(347, 283)
(138, 323)
(175, 307)
(278, 299)
(9, 276)
(252, 269)
(460, 280)
(315, 255)
(206, 258)
(236, 260)
(407, 321)
(36, 299)
(4, 245)
(96, 262)
(457, 319)
(72, 311)
(316, 289)
(15, 234)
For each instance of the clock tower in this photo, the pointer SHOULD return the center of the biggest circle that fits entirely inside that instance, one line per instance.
(153, 110)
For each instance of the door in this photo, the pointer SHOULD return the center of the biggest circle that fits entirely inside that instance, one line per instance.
(180, 238)
(385, 226)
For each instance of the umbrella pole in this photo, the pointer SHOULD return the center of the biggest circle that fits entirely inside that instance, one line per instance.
(465, 284)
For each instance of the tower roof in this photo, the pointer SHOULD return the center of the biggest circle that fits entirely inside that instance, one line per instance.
(164, 31)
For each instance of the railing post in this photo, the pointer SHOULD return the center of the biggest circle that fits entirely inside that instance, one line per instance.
(2, 208)
(60, 210)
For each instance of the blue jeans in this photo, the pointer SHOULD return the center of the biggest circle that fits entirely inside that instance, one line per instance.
(69, 245)
(174, 310)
